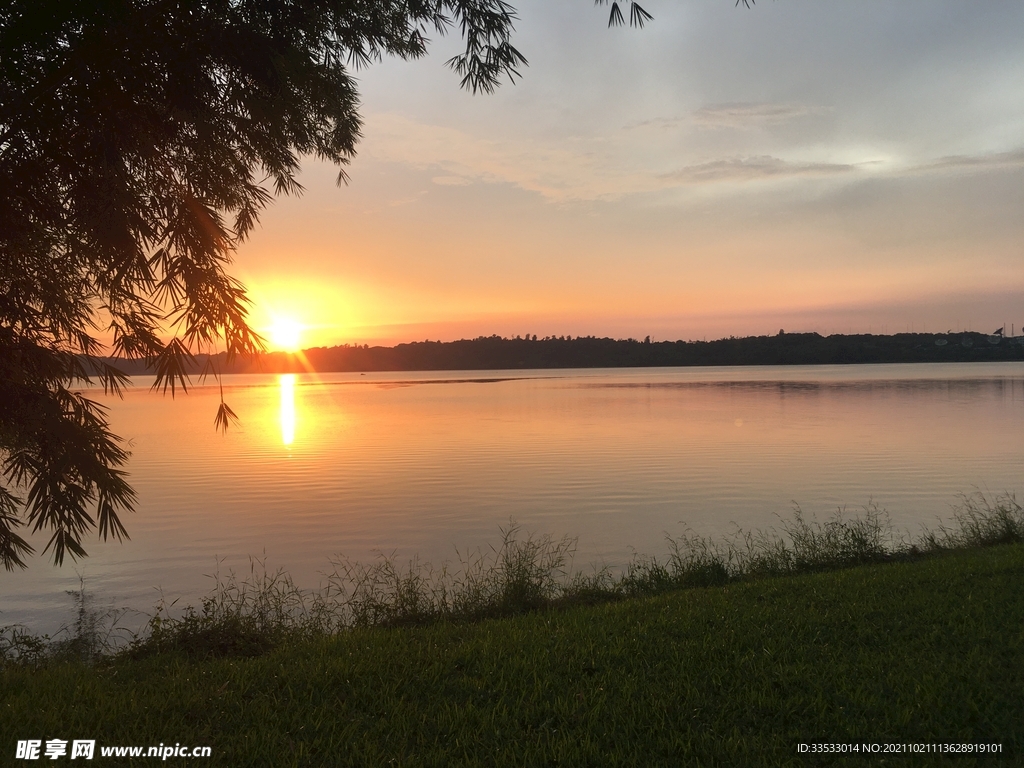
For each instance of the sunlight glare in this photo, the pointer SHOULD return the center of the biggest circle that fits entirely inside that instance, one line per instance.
(286, 334)
(287, 382)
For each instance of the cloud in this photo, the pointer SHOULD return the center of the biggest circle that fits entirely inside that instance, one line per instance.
(741, 114)
(976, 162)
(451, 181)
(576, 170)
(752, 169)
(751, 115)
(562, 171)
(598, 169)
(665, 123)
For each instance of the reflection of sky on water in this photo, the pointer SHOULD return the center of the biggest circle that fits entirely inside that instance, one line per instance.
(349, 464)
(287, 382)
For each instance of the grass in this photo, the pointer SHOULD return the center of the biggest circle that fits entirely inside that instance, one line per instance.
(527, 573)
(513, 660)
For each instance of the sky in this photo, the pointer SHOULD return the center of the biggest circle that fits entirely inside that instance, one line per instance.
(840, 167)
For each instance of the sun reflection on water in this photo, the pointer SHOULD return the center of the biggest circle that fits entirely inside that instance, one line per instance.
(287, 381)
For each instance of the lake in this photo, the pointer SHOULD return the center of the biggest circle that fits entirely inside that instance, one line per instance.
(419, 463)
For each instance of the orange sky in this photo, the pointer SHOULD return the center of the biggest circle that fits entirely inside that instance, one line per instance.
(723, 172)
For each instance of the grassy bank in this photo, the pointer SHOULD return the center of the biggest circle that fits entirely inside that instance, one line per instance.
(924, 647)
(927, 651)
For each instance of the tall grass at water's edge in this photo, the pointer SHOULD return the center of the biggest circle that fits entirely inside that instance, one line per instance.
(251, 615)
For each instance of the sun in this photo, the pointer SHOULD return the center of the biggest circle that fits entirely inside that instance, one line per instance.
(286, 334)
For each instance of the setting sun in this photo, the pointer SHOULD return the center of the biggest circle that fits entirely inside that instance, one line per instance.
(286, 334)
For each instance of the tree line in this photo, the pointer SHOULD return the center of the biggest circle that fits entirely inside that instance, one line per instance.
(500, 353)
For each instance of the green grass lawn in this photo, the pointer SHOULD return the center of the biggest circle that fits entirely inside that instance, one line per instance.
(926, 651)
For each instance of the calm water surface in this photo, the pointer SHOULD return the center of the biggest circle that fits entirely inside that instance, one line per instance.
(421, 463)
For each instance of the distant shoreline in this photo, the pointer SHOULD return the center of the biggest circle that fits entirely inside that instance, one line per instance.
(498, 353)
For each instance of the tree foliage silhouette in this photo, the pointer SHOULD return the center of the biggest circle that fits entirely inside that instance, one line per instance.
(139, 142)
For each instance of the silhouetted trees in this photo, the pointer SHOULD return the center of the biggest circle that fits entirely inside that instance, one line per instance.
(139, 142)
(497, 353)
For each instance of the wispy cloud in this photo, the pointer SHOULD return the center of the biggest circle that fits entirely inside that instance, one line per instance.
(562, 171)
(752, 168)
(451, 181)
(735, 115)
(976, 162)
(751, 115)
(599, 169)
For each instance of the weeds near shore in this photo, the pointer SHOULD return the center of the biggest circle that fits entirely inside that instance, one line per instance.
(94, 634)
(249, 616)
(520, 574)
(980, 522)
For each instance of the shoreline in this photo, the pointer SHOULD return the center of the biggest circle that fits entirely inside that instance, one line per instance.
(495, 353)
(923, 652)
